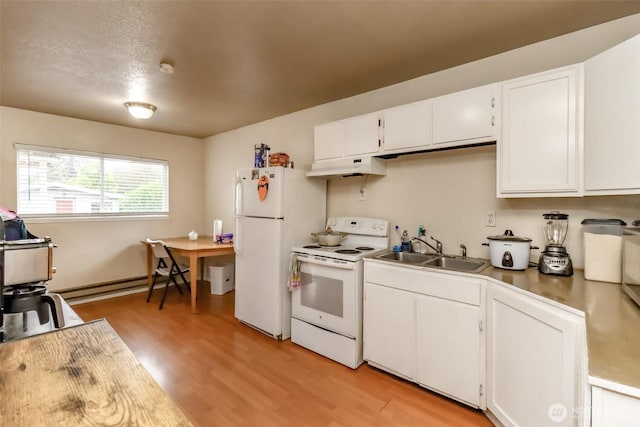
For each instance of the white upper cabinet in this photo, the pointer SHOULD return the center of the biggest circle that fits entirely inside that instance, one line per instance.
(328, 141)
(461, 118)
(465, 117)
(362, 135)
(612, 120)
(540, 148)
(407, 127)
(355, 136)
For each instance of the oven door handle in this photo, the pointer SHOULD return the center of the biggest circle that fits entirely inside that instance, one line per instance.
(327, 262)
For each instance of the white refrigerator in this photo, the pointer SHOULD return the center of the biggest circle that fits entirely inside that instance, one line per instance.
(276, 208)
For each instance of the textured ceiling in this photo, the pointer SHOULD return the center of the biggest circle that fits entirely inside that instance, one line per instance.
(241, 62)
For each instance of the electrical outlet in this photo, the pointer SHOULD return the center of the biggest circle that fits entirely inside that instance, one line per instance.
(490, 220)
(363, 195)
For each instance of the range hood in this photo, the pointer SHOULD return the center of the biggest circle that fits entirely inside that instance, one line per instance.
(348, 167)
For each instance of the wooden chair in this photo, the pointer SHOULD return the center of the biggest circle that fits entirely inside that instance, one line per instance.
(167, 267)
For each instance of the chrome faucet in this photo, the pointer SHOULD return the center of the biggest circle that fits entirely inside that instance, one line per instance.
(438, 245)
(464, 250)
(437, 249)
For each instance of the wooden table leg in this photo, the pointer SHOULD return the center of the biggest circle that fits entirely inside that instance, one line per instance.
(193, 277)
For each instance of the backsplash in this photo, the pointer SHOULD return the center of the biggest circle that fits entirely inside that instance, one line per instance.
(450, 193)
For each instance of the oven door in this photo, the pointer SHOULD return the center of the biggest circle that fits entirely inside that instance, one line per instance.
(329, 293)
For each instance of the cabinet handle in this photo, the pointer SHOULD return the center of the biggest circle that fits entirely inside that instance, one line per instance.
(493, 102)
(493, 120)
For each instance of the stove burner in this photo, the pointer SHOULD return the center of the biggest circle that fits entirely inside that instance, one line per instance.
(347, 251)
(365, 248)
(312, 246)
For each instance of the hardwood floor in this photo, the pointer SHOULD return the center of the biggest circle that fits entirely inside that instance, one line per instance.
(223, 373)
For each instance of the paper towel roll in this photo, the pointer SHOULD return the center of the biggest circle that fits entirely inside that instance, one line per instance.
(217, 228)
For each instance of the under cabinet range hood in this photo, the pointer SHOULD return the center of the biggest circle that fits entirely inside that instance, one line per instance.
(348, 167)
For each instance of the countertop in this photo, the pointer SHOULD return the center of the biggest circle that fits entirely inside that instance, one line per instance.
(612, 322)
(83, 375)
(21, 325)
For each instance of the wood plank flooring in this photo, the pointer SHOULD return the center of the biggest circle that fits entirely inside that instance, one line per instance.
(223, 373)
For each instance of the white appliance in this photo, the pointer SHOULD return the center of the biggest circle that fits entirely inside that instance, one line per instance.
(348, 167)
(275, 208)
(327, 307)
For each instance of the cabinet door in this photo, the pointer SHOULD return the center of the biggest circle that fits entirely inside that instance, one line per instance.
(532, 361)
(328, 141)
(612, 120)
(448, 348)
(389, 329)
(407, 127)
(609, 408)
(361, 135)
(464, 117)
(539, 152)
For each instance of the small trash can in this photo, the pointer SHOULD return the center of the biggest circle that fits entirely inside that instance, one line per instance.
(603, 249)
(221, 278)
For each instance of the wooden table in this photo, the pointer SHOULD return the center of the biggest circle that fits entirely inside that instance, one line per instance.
(80, 376)
(204, 246)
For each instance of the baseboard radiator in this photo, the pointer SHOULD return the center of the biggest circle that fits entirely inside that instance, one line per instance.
(104, 290)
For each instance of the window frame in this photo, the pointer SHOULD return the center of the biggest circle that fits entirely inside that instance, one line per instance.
(90, 216)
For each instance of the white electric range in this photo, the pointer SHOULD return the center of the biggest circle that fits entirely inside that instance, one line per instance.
(327, 308)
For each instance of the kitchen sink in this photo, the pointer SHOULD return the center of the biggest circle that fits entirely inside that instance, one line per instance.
(407, 257)
(445, 262)
(468, 265)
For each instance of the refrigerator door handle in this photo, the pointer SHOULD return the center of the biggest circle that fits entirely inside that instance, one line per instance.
(238, 206)
(236, 237)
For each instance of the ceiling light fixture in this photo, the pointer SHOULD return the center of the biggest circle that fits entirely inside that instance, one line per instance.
(140, 110)
(166, 68)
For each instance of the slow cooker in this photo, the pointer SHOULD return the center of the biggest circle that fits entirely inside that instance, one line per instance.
(510, 252)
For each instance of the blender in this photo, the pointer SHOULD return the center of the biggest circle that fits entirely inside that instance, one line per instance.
(555, 259)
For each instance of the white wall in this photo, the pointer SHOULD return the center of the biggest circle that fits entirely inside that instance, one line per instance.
(92, 252)
(447, 192)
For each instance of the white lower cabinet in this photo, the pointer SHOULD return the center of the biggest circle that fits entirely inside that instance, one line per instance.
(448, 348)
(425, 327)
(535, 361)
(389, 331)
(613, 409)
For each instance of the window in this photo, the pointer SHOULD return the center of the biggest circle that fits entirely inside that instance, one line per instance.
(54, 182)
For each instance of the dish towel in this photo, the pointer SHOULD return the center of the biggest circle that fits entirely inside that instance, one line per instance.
(294, 272)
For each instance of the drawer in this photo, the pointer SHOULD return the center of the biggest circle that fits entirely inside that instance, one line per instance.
(425, 282)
